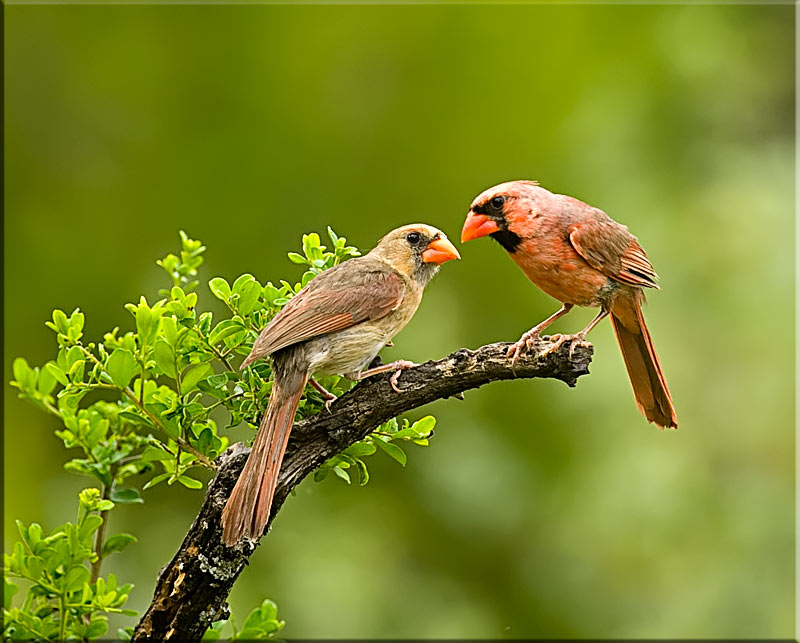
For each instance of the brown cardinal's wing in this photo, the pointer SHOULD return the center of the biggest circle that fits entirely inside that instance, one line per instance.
(348, 294)
(610, 248)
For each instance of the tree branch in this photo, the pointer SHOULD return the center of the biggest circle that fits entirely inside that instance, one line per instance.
(192, 590)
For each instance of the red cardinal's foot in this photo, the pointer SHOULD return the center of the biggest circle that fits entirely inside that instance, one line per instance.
(525, 343)
(557, 340)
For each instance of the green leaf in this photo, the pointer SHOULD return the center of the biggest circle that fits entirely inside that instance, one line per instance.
(117, 543)
(261, 623)
(9, 590)
(77, 370)
(220, 288)
(21, 370)
(75, 578)
(60, 320)
(126, 495)
(297, 258)
(190, 483)
(46, 381)
(35, 566)
(424, 425)
(342, 473)
(363, 472)
(76, 320)
(60, 375)
(193, 376)
(360, 449)
(406, 433)
(136, 418)
(165, 358)
(154, 481)
(225, 328)
(73, 355)
(144, 321)
(97, 627)
(153, 453)
(170, 330)
(393, 450)
(248, 297)
(310, 243)
(121, 366)
(22, 529)
(214, 632)
(90, 525)
(34, 534)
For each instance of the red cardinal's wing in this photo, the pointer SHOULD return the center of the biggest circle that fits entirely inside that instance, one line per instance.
(610, 248)
(348, 294)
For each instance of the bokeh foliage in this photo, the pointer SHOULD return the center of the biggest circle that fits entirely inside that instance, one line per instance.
(539, 511)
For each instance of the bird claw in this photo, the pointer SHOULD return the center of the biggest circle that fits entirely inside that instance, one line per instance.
(526, 342)
(530, 339)
(329, 397)
(576, 339)
(401, 366)
(555, 342)
(329, 402)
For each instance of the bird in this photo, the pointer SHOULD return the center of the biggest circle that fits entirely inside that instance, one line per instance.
(336, 324)
(580, 256)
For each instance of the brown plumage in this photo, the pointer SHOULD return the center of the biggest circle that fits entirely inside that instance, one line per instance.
(580, 256)
(335, 325)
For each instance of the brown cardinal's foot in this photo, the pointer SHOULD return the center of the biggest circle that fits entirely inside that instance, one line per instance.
(401, 365)
(398, 367)
(330, 398)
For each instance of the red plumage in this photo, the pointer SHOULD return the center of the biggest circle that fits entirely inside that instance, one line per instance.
(579, 255)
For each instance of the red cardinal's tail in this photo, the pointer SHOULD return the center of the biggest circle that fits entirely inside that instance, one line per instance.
(644, 370)
(248, 506)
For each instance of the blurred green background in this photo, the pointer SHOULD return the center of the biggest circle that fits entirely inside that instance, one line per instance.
(538, 510)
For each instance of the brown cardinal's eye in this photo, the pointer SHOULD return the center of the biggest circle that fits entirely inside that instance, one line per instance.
(497, 203)
(412, 237)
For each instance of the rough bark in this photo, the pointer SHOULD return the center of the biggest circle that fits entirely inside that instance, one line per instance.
(192, 590)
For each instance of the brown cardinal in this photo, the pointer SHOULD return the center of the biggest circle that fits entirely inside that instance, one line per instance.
(580, 256)
(335, 325)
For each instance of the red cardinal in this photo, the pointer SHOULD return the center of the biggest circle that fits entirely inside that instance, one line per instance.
(580, 256)
(335, 325)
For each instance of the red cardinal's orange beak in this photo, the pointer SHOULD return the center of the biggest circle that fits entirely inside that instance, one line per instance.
(440, 250)
(477, 226)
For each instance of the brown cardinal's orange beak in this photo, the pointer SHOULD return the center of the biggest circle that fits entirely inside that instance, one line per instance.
(440, 250)
(477, 226)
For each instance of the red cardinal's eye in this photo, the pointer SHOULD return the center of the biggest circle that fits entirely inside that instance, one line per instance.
(497, 202)
(412, 237)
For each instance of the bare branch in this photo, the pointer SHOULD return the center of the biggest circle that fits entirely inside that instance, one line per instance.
(192, 590)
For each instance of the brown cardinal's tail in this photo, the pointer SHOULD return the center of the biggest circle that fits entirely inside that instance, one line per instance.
(248, 506)
(644, 369)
